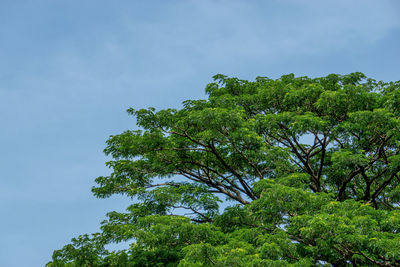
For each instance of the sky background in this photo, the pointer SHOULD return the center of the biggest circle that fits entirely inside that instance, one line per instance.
(70, 69)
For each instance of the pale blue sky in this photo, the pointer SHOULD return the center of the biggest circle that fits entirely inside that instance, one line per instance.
(70, 69)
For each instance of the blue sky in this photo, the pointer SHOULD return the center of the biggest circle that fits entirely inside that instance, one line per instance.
(70, 69)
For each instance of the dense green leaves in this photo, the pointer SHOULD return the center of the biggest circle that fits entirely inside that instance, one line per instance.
(285, 172)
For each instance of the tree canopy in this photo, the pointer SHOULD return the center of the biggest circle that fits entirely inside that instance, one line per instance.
(294, 171)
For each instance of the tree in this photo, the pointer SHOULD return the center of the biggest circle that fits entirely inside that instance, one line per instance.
(308, 170)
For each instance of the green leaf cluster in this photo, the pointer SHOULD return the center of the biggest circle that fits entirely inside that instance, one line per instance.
(294, 171)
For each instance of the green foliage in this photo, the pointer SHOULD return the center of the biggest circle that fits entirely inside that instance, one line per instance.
(307, 171)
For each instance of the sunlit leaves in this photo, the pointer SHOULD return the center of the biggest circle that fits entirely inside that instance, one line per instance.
(307, 172)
